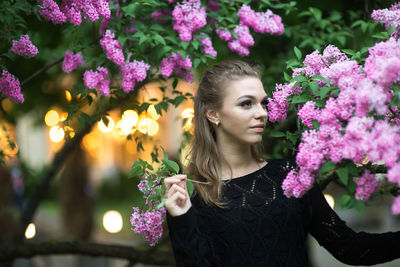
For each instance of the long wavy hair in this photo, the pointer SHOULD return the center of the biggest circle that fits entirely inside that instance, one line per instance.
(205, 160)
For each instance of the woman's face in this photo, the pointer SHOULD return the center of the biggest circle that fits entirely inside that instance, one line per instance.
(243, 115)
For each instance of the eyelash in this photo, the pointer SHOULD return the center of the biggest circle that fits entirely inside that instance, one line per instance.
(246, 103)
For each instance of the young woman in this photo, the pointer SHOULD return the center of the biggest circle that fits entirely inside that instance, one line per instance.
(238, 215)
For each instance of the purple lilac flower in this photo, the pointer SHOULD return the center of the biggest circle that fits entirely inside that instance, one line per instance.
(112, 48)
(133, 72)
(10, 87)
(24, 47)
(97, 79)
(71, 61)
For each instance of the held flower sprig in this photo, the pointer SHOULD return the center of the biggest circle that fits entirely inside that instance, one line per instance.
(148, 220)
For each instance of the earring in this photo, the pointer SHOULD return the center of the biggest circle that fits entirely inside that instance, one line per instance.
(217, 123)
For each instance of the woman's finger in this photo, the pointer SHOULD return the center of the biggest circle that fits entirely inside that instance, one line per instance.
(176, 200)
(176, 179)
(175, 188)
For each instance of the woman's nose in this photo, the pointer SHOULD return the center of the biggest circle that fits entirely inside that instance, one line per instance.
(261, 111)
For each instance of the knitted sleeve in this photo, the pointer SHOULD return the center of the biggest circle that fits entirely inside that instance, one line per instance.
(191, 246)
(345, 244)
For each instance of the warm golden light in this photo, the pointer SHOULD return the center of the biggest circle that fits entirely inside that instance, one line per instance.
(188, 124)
(148, 126)
(330, 200)
(92, 140)
(187, 113)
(6, 104)
(125, 127)
(63, 116)
(106, 129)
(152, 113)
(131, 117)
(112, 221)
(30, 231)
(51, 118)
(69, 131)
(56, 134)
(11, 151)
(68, 96)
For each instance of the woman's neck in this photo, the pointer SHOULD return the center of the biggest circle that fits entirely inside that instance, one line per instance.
(239, 160)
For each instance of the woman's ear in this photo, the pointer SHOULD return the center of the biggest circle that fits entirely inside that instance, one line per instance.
(212, 116)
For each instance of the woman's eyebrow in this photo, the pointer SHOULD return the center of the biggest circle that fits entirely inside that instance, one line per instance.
(252, 97)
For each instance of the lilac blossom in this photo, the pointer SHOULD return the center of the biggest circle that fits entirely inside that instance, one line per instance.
(133, 72)
(10, 87)
(366, 186)
(97, 79)
(24, 47)
(112, 48)
(188, 17)
(71, 61)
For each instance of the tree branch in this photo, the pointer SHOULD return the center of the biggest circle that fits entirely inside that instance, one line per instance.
(131, 254)
(45, 68)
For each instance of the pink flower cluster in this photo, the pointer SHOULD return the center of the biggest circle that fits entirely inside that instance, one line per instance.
(262, 22)
(188, 17)
(72, 9)
(207, 46)
(112, 48)
(308, 113)
(133, 72)
(239, 45)
(396, 206)
(390, 17)
(383, 63)
(148, 224)
(366, 186)
(176, 63)
(10, 87)
(97, 79)
(71, 61)
(347, 125)
(278, 105)
(24, 47)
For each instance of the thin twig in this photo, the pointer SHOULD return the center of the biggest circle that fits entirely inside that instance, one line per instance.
(45, 68)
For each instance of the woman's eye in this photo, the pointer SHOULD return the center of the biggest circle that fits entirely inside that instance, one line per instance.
(245, 104)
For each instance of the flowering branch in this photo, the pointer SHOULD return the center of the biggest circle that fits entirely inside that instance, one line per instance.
(29, 250)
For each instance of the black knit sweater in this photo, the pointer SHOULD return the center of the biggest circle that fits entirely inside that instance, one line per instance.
(262, 227)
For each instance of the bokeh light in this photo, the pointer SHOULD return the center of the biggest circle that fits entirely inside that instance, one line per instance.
(148, 126)
(68, 96)
(56, 134)
(187, 113)
(112, 221)
(152, 113)
(30, 231)
(51, 118)
(106, 129)
(330, 200)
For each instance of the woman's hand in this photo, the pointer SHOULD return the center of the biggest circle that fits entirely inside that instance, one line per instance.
(178, 200)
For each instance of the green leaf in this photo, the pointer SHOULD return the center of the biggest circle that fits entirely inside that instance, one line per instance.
(172, 166)
(315, 124)
(286, 76)
(299, 79)
(324, 91)
(159, 39)
(343, 174)
(299, 99)
(327, 166)
(178, 100)
(348, 51)
(345, 201)
(278, 134)
(189, 186)
(360, 205)
(298, 53)
(314, 87)
(165, 155)
(291, 63)
(136, 170)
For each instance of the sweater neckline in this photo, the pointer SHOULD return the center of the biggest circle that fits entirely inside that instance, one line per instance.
(251, 174)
